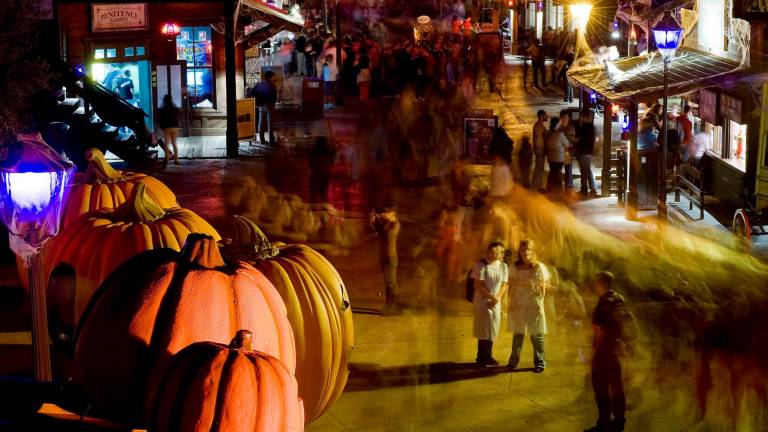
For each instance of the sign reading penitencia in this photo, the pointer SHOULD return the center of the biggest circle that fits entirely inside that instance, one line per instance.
(110, 17)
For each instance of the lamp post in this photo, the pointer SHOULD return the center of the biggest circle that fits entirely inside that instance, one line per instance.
(580, 16)
(33, 185)
(667, 35)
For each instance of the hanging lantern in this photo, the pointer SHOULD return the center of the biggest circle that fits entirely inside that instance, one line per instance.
(423, 28)
(170, 29)
(667, 34)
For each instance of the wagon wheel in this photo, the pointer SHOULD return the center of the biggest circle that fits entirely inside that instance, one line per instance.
(742, 230)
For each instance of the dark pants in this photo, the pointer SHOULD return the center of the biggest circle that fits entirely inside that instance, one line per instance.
(525, 174)
(539, 69)
(484, 350)
(389, 268)
(569, 176)
(537, 342)
(608, 387)
(555, 177)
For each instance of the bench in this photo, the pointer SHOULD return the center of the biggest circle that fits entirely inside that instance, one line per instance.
(688, 183)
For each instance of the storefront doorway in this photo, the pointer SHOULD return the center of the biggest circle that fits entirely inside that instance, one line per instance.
(126, 71)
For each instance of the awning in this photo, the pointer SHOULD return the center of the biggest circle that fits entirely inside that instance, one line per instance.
(271, 20)
(274, 11)
(644, 75)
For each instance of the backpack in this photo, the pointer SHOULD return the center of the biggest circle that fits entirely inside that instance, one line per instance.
(469, 293)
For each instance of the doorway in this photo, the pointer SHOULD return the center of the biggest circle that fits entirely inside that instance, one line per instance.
(126, 71)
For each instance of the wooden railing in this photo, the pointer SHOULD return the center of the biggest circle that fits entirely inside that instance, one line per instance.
(688, 183)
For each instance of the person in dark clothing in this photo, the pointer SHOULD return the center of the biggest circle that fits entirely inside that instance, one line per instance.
(501, 145)
(613, 325)
(265, 94)
(585, 148)
(525, 159)
(568, 58)
(110, 80)
(301, 59)
(168, 122)
(386, 225)
(321, 160)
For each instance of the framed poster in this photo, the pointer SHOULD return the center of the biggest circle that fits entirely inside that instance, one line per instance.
(730, 107)
(111, 17)
(478, 132)
(246, 118)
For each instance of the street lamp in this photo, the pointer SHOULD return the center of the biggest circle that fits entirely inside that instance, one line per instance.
(667, 34)
(33, 184)
(580, 16)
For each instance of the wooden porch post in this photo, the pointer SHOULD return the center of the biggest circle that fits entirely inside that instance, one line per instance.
(230, 72)
(605, 187)
(634, 164)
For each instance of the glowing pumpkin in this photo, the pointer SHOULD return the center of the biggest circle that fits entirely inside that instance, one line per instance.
(162, 301)
(318, 309)
(209, 386)
(96, 243)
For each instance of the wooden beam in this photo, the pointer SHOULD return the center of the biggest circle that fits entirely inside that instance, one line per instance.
(230, 71)
(634, 164)
(605, 188)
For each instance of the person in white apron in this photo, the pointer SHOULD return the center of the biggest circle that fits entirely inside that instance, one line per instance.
(529, 280)
(490, 281)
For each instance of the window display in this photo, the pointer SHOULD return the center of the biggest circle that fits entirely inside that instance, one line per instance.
(193, 45)
(737, 139)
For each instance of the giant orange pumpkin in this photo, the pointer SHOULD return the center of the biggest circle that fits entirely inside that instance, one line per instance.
(160, 302)
(96, 243)
(103, 187)
(212, 387)
(318, 309)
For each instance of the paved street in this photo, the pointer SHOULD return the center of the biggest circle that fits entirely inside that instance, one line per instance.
(415, 372)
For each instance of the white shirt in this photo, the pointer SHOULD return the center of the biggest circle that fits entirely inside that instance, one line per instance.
(488, 319)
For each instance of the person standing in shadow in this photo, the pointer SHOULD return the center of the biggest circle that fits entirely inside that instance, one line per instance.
(614, 328)
(386, 225)
(265, 93)
(320, 163)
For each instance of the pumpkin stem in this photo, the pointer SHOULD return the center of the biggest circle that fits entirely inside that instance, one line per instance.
(249, 234)
(202, 250)
(99, 170)
(243, 340)
(140, 208)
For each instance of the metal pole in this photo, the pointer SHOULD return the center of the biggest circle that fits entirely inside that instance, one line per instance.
(662, 210)
(41, 352)
(629, 40)
(339, 63)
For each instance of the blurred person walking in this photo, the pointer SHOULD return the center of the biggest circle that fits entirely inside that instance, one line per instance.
(539, 149)
(614, 329)
(529, 280)
(329, 73)
(168, 122)
(525, 158)
(386, 225)
(489, 277)
(557, 147)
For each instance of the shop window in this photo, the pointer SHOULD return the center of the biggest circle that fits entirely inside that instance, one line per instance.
(129, 52)
(714, 136)
(98, 54)
(111, 52)
(737, 144)
(193, 45)
(139, 50)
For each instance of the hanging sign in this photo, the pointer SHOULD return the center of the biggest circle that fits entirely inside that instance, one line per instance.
(110, 17)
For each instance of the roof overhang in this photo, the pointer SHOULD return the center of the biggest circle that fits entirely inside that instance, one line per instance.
(643, 76)
(269, 21)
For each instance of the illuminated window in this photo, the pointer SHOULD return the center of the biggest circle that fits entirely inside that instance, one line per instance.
(111, 52)
(711, 26)
(193, 45)
(99, 54)
(714, 136)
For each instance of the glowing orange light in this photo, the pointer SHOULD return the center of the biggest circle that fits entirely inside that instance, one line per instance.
(633, 35)
(170, 29)
(615, 109)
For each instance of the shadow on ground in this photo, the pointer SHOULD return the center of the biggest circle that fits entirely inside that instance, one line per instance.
(369, 376)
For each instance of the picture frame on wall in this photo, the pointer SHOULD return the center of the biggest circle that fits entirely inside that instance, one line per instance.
(118, 17)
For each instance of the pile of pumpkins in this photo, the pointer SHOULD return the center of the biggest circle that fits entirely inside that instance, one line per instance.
(170, 334)
(288, 217)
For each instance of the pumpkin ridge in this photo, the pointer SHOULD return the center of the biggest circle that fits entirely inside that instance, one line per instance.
(221, 391)
(190, 371)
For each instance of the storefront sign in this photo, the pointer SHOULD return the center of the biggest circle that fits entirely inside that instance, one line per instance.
(109, 17)
(708, 106)
(478, 132)
(246, 118)
(730, 107)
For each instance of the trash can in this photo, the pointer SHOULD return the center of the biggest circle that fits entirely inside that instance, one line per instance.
(648, 180)
(312, 98)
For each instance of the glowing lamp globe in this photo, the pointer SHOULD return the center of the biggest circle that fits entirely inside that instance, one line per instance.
(667, 34)
(33, 183)
(580, 14)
